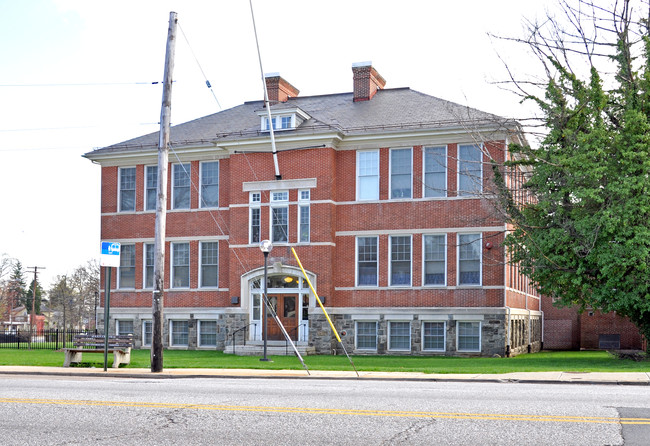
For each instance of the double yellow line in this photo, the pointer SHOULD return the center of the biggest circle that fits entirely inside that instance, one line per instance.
(330, 411)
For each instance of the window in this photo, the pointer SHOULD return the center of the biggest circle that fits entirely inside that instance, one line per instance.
(147, 329)
(399, 335)
(279, 123)
(179, 333)
(368, 175)
(123, 327)
(400, 260)
(126, 272)
(180, 265)
(400, 173)
(303, 216)
(470, 169)
(469, 259)
(148, 264)
(255, 217)
(434, 260)
(210, 184)
(367, 261)
(207, 333)
(151, 187)
(280, 217)
(433, 336)
(366, 335)
(181, 186)
(209, 264)
(127, 189)
(469, 336)
(435, 172)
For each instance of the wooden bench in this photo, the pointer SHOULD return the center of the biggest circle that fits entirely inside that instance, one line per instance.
(120, 346)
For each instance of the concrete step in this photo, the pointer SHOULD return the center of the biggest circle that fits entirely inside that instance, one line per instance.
(279, 348)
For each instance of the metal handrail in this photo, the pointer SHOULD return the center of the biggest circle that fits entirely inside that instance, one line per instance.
(286, 341)
(234, 343)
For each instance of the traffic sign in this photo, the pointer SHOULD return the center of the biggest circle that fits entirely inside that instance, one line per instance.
(110, 254)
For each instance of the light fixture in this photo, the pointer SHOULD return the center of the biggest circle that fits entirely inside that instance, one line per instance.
(265, 246)
(288, 279)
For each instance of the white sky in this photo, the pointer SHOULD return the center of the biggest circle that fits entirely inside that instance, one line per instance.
(76, 75)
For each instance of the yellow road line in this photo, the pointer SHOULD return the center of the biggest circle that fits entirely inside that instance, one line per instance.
(334, 411)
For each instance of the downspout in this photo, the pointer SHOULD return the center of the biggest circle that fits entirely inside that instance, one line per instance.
(508, 333)
(530, 325)
(541, 346)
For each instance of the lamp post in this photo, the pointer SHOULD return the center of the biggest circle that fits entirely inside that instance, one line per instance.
(265, 246)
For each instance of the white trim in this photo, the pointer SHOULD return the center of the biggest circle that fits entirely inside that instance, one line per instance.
(201, 163)
(200, 286)
(171, 332)
(172, 267)
(173, 187)
(119, 189)
(357, 182)
(356, 263)
(257, 186)
(469, 317)
(356, 336)
(278, 204)
(480, 259)
(481, 148)
(118, 281)
(144, 266)
(480, 335)
(142, 325)
(390, 173)
(364, 317)
(144, 207)
(389, 329)
(444, 335)
(463, 230)
(198, 332)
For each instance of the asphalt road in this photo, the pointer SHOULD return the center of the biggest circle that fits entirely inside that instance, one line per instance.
(47, 410)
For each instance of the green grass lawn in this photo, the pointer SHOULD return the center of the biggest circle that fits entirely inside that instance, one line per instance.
(573, 361)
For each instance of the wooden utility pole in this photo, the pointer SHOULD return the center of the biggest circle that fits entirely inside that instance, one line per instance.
(161, 205)
(33, 316)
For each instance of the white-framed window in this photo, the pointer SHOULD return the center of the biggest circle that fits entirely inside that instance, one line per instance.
(180, 265)
(469, 259)
(147, 332)
(367, 261)
(468, 336)
(181, 182)
(435, 171)
(127, 189)
(303, 216)
(401, 173)
(209, 197)
(148, 265)
(207, 333)
(124, 327)
(255, 217)
(400, 260)
(179, 333)
(435, 265)
(280, 216)
(399, 335)
(368, 175)
(209, 264)
(126, 271)
(279, 122)
(470, 169)
(434, 336)
(366, 335)
(150, 187)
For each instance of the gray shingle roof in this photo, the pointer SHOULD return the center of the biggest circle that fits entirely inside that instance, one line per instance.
(389, 110)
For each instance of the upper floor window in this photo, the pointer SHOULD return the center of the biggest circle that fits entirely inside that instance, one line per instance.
(470, 169)
(469, 259)
(279, 123)
(151, 187)
(280, 217)
(126, 272)
(180, 265)
(127, 189)
(434, 259)
(148, 264)
(400, 260)
(368, 175)
(303, 216)
(209, 264)
(435, 171)
(255, 217)
(209, 184)
(181, 186)
(401, 168)
(367, 261)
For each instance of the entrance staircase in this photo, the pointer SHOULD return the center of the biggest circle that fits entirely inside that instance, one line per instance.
(279, 348)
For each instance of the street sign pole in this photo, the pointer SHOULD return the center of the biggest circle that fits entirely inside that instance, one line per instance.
(107, 300)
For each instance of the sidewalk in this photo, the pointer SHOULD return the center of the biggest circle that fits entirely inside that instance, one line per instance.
(621, 378)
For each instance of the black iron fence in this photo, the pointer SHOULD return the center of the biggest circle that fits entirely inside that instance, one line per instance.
(53, 339)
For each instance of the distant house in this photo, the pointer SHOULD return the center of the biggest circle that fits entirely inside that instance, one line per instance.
(383, 193)
(18, 319)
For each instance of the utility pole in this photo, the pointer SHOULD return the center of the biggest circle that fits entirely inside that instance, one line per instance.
(161, 204)
(33, 316)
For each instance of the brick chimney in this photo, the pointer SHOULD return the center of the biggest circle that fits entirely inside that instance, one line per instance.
(278, 89)
(366, 81)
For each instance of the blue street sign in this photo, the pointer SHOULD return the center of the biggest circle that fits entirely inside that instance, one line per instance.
(110, 254)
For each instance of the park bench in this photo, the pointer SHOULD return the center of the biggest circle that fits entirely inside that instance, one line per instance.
(120, 346)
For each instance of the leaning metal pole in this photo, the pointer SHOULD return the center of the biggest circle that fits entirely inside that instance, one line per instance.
(161, 204)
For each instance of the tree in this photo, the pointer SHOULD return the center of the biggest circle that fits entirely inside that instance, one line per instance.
(74, 295)
(581, 213)
(6, 266)
(29, 295)
(16, 285)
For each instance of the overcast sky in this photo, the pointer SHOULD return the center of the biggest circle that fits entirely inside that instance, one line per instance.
(77, 74)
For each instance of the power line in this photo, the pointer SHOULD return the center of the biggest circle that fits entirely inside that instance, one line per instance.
(80, 84)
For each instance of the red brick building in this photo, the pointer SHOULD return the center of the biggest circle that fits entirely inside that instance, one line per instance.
(383, 193)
